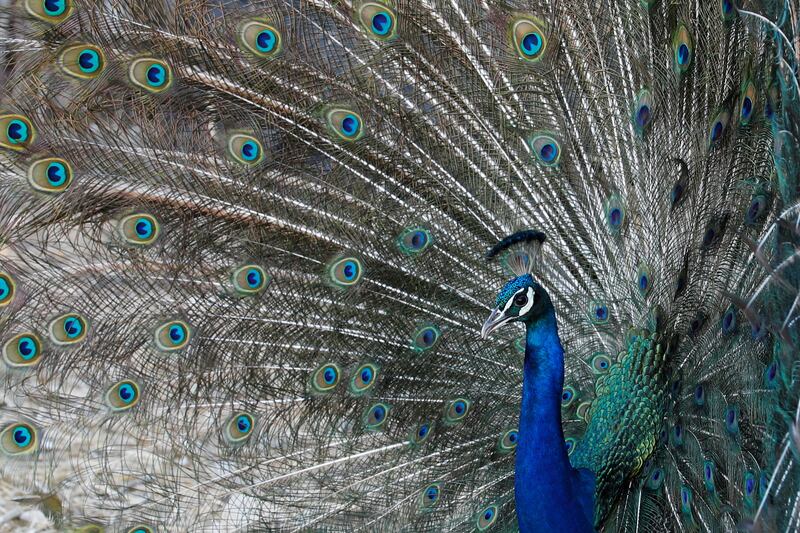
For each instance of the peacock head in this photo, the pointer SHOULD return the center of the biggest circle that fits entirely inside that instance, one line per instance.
(520, 300)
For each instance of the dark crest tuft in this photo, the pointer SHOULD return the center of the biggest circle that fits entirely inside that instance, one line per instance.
(527, 235)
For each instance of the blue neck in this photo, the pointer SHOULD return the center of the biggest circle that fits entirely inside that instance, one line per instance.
(550, 494)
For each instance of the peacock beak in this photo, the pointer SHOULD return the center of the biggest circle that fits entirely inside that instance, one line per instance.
(495, 320)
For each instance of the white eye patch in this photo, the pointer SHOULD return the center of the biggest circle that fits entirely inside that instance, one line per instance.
(527, 307)
(531, 296)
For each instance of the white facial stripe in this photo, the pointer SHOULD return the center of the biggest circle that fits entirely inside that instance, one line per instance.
(528, 305)
(510, 301)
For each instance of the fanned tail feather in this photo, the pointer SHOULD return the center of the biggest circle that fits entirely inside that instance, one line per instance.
(250, 297)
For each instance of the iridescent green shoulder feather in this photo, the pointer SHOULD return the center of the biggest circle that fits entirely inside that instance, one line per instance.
(625, 418)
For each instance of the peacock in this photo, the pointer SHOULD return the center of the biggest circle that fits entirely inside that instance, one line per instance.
(248, 250)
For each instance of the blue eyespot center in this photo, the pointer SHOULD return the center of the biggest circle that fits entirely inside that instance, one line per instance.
(532, 44)
(755, 210)
(329, 375)
(423, 431)
(419, 239)
(488, 515)
(683, 54)
(243, 424)
(89, 61)
(22, 436)
(428, 336)
(381, 23)
(708, 236)
(144, 228)
(546, 149)
(5, 288)
(716, 131)
(601, 312)
(55, 7)
(727, 7)
(73, 327)
(459, 407)
(250, 151)
(253, 278)
(699, 393)
(366, 376)
(615, 217)
(266, 41)
(17, 132)
(643, 282)
(378, 413)
(643, 116)
(772, 371)
(676, 193)
(350, 270)
(156, 75)
(56, 174)
(727, 321)
(548, 152)
(126, 393)
(26, 347)
(747, 107)
(350, 125)
(177, 333)
(432, 493)
(346, 272)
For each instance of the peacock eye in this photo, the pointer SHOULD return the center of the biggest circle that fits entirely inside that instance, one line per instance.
(520, 300)
(150, 74)
(430, 495)
(260, 39)
(22, 350)
(51, 11)
(239, 427)
(123, 395)
(83, 61)
(16, 132)
(18, 438)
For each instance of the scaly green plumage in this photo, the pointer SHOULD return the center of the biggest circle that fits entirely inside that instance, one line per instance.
(625, 418)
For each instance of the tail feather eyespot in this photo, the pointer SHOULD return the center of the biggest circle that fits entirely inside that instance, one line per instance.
(19, 438)
(16, 132)
(123, 395)
(22, 350)
(150, 74)
(379, 20)
(529, 39)
(173, 335)
(84, 61)
(345, 123)
(239, 428)
(260, 38)
(50, 11)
